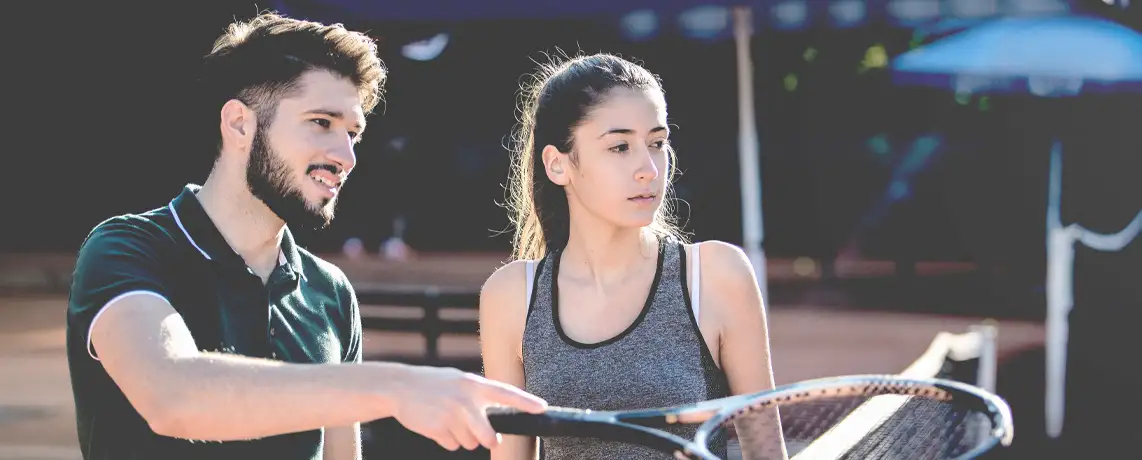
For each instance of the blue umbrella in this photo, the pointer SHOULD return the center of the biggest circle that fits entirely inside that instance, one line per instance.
(1056, 56)
(1047, 57)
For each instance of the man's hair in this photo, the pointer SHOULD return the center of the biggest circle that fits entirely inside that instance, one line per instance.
(260, 61)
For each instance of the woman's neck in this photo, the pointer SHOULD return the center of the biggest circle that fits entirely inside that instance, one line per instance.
(607, 257)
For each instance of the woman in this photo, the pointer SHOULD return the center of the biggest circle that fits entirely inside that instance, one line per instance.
(606, 307)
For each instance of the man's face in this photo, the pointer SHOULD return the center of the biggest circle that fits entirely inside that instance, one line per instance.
(299, 163)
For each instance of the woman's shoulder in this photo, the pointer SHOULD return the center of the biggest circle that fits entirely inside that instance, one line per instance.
(508, 277)
(506, 287)
(723, 264)
(503, 304)
(719, 253)
(729, 282)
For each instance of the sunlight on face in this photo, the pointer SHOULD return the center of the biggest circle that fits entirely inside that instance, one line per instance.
(622, 158)
(299, 165)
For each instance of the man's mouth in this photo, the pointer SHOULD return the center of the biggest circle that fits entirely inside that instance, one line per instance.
(323, 180)
(326, 176)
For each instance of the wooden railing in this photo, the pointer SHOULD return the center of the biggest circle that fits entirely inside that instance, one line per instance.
(389, 310)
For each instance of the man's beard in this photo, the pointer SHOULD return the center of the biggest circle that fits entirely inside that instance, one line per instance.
(268, 178)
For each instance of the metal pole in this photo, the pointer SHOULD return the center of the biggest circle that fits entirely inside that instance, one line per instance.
(988, 369)
(748, 151)
(1060, 276)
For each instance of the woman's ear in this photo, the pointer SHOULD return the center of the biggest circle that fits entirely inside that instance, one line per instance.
(557, 165)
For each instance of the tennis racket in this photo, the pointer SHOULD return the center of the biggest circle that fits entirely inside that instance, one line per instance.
(849, 417)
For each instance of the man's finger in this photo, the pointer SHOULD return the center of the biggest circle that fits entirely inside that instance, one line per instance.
(442, 436)
(478, 423)
(447, 440)
(463, 434)
(510, 396)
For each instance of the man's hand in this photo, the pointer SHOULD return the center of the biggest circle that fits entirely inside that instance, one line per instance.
(449, 407)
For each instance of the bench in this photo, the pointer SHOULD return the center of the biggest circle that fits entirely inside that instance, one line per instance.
(428, 311)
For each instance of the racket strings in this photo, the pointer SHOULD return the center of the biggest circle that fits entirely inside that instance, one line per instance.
(921, 429)
(864, 390)
(810, 419)
(877, 427)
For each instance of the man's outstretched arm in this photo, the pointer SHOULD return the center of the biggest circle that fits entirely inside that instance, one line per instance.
(186, 393)
(182, 392)
(119, 307)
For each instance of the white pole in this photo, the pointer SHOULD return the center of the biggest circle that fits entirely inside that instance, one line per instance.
(1060, 276)
(988, 368)
(1060, 285)
(748, 152)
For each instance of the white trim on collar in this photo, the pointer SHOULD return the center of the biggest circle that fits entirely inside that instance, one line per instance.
(178, 221)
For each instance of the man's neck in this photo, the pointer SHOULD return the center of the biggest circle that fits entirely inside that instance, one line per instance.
(248, 226)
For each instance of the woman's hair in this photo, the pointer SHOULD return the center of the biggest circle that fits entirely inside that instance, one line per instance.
(555, 102)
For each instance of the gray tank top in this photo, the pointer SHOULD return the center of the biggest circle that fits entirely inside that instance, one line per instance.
(660, 360)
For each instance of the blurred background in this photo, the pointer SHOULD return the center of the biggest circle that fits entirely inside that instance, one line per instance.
(898, 159)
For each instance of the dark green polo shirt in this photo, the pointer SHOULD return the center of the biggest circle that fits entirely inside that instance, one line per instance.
(306, 313)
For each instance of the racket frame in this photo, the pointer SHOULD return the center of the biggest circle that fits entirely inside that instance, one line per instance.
(641, 426)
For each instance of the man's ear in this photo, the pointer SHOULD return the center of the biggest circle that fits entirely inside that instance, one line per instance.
(237, 123)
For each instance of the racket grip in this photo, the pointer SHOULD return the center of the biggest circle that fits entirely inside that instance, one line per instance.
(550, 423)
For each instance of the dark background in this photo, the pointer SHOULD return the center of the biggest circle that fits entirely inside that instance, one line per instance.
(103, 120)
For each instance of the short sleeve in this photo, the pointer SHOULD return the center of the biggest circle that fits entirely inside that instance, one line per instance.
(353, 348)
(119, 258)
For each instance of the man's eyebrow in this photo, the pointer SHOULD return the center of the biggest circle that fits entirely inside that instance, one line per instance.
(335, 114)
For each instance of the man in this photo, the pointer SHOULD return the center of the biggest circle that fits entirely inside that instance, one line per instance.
(200, 330)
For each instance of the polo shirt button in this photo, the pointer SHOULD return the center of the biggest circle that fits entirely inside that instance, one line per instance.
(274, 354)
(272, 331)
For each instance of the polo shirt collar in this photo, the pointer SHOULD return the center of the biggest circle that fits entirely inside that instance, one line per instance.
(201, 232)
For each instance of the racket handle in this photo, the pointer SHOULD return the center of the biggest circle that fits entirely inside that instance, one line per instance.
(553, 422)
(562, 421)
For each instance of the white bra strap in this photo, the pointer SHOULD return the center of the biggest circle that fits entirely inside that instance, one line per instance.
(530, 267)
(696, 282)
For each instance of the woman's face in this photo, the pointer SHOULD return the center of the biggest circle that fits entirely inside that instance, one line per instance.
(621, 159)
